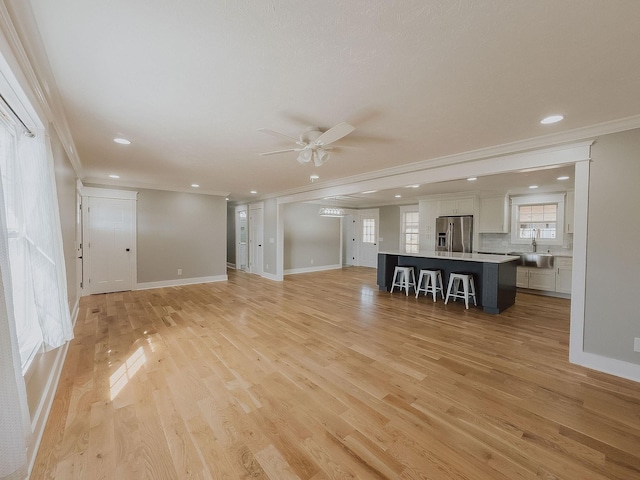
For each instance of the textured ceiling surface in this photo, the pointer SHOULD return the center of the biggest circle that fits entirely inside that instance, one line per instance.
(190, 83)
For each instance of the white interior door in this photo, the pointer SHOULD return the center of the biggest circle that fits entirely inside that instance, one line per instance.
(350, 239)
(110, 242)
(79, 245)
(368, 238)
(242, 238)
(256, 239)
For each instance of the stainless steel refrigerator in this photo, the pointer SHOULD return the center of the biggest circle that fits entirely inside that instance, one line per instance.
(454, 234)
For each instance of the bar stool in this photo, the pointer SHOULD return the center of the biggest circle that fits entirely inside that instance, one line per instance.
(403, 277)
(432, 283)
(468, 285)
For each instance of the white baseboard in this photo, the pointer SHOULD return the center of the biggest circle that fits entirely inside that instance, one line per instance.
(181, 282)
(39, 420)
(320, 268)
(271, 276)
(612, 366)
(75, 311)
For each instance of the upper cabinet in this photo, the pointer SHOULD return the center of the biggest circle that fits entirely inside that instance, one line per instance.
(456, 206)
(494, 215)
(428, 211)
(568, 211)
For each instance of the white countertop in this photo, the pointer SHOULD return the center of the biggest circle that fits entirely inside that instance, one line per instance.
(467, 257)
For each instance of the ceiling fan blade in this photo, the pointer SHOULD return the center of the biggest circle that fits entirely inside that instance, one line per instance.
(280, 151)
(278, 134)
(335, 133)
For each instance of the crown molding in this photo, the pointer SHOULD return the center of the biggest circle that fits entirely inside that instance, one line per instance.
(584, 136)
(150, 186)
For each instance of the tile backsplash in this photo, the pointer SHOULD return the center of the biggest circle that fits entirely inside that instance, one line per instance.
(501, 243)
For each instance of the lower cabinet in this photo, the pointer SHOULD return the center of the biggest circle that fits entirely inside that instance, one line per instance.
(564, 271)
(556, 279)
(536, 278)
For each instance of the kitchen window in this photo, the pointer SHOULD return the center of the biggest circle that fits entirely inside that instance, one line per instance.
(539, 218)
(410, 236)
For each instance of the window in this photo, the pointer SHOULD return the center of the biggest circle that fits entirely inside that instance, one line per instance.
(539, 218)
(410, 236)
(368, 230)
(36, 261)
(24, 307)
(537, 221)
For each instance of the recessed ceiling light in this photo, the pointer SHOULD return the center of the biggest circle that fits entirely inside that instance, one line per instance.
(369, 191)
(314, 177)
(412, 186)
(195, 185)
(253, 192)
(114, 176)
(551, 119)
(122, 141)
(227, 199)
(472, 179)
(564, 177)
(398, 196)
(533, 186)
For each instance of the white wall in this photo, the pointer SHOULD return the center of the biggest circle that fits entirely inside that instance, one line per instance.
(389, 231)
(270, 237)
(311, 242)
(612, 315)
(180, 230)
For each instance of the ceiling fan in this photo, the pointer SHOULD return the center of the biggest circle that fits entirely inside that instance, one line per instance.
(313, 145)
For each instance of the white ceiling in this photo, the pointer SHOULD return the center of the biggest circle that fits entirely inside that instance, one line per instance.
(190, 83)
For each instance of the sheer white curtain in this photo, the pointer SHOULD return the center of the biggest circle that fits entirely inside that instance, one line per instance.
(14, 413)
(41, 219)
(33, 298)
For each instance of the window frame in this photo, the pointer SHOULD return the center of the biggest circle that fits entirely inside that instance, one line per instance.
(404, 210)
(368, 234)
(541, 199)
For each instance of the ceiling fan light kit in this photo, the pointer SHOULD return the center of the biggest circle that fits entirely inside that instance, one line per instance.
(313, 145)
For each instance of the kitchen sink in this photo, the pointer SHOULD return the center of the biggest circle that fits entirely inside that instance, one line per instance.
(534, 259)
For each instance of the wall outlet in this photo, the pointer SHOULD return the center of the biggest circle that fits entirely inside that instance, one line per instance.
(179, 271)
(312, 261)
(636, 344)
(267, 266)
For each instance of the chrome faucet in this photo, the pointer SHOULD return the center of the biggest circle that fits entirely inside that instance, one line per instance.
(534, 244)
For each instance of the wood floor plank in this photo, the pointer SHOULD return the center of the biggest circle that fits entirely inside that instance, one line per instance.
(322, 376)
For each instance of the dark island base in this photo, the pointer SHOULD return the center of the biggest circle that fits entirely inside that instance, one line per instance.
(495, 282)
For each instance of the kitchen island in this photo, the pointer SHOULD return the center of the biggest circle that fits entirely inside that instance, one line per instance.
(495, 275)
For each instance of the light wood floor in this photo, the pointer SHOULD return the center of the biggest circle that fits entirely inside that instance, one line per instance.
(324, 377)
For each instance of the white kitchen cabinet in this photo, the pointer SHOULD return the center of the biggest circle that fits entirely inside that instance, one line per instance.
(428, 212)
(494, 215)
(568, 211)
(522, 277)
(536, 278)
(456, 206)
(564, 271)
